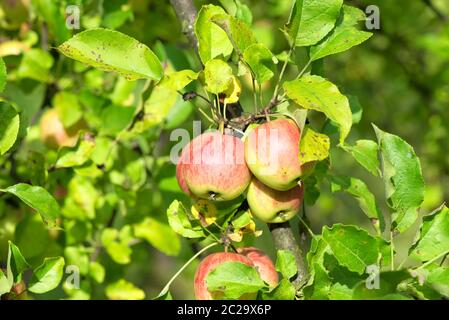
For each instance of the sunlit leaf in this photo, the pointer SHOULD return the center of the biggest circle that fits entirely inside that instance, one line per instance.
(113, 51)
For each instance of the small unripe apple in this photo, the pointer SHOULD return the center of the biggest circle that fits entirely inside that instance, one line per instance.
(272, 154)
(262, 263)
(212, 166)
(273, 206)
(53, 133)
(209, 264)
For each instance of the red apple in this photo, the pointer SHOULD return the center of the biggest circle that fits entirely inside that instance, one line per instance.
(273, 206)
(272, 154)
(209, 264)
(212, 166)
(180, 173)
(262, 263)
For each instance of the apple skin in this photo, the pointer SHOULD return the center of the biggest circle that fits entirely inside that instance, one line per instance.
(272, 154)
(273, 206)
(180, 171)
(262, 263)
(212, 167)
(209, 264)
(53, 133)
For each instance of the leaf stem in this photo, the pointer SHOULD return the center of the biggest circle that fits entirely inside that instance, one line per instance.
(307, 227)
(281, 74)
(256, 107)
(301, 73)
(167, 286)
(391, 250)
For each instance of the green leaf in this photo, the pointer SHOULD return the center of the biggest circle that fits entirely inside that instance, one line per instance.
(314, 146)
(217, 76)
(365, 153)
(356, 109)
(36, 64)
(388, 287)
(179, 221)
(261, 61)
(163, 98)
(291, 28)
(2, 74)
(239, 32)
(285, 290)
(353, 248)
(97, 272)
(124, 290)
(362, 194)
(234, 279)
(212, 40)
(433, 241)
(241, 220)
(317, 20)
(16, 264)
(5, 284)
(68, 108)
(9, 126)
(120, 252)
(78, 155)
(178, 80)
(438, 279)
(159, 235)
(78, 256)
(319, 282)
(37, 198)
(47, 276)
(286, 264)
(343, 37)
(404, 183)
(316, 93)
(113, 51)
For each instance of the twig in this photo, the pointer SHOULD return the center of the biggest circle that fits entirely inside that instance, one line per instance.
(186, 12)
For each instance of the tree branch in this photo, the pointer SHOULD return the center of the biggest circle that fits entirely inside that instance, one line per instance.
(285, 240)
(186, 12)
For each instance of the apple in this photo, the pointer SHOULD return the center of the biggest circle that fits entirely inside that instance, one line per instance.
(53, 133)
(274, 206)
(262, 263)
(180, 173)
(209, 264)
(212, 166)
(272, 154)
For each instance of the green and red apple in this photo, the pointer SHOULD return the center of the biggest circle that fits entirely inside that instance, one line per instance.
(212, 166)
(274, 206)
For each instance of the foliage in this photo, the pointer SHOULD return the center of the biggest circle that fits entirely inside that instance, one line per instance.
(99, 203)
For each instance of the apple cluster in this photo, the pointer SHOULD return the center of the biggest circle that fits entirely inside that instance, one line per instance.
(220, 167)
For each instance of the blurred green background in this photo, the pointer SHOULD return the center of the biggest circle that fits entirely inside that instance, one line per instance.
(400, 76)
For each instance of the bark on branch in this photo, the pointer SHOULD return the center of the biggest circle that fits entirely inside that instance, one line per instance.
(284, 239)
(186, 13)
